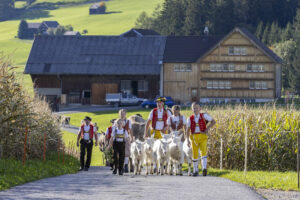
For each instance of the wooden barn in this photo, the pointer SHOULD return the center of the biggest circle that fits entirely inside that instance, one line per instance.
(97, 8)
(236, 67)
(82, 69)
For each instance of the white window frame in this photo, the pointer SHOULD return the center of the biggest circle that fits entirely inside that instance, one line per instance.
(231, 51)
(209, 84)
(228, 84)
(189, 67)
(264, 85)
(231, 67)
(176, 67)
(252, 85)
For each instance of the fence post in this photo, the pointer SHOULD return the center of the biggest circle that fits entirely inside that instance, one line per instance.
(44, 152)
(298, 145)
(221, 154)
(246, 147)
(58, 147)
(25, 144)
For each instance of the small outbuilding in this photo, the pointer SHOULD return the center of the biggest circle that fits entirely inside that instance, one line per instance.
(97, 8)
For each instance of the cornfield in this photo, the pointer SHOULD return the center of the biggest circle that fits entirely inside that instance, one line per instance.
(266, 133)
(18, 110)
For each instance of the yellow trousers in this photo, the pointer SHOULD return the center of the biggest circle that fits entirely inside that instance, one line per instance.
(157, 134)
(199, 141)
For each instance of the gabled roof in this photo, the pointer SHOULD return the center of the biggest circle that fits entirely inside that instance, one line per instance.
(139, 32)
(96, 55)
(188, 48)
(51, 24)
(194, 48)
(34, 25)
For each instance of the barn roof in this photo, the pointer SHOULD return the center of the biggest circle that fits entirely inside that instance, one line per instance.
(102, 55)
(51, 24)
(188, 48)
(139, 32)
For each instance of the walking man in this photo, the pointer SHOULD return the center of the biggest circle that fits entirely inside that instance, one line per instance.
(86, 136)
(177, 122)
(197, 132)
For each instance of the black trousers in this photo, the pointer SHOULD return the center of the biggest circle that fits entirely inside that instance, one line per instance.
(119, 154)
(88, 147)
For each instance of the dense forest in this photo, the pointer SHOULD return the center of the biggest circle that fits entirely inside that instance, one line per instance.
(275, 22)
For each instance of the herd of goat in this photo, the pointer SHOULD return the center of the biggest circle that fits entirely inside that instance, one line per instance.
(168, 153)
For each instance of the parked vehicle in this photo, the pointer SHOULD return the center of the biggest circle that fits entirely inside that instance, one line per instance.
(122, 99)
(152, 103)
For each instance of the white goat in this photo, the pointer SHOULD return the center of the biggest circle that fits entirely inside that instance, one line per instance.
(148, 155)
(188, 154)
(161, 155)
(137, 156)
(176, 155)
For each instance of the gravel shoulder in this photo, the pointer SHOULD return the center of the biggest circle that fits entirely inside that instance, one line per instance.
(99, 183)
(279, 195)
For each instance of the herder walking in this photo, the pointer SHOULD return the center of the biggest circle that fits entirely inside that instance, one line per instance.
(197, 132)
(86, 135)
(118, 138)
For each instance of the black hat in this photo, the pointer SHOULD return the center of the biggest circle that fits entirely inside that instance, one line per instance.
(112, 121)
(161, 99)
(88, 118)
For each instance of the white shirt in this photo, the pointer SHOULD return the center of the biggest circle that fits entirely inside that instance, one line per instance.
(86, 132)
(176, 120)
(107, 131)
(159, 124)
(206, 116)
(115, 131)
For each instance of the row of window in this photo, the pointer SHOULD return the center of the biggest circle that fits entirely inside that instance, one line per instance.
(258, 85)
(218, 84)
(255, 68)
(224, 67)
(215, 84)
(237, 51)
(183, 67)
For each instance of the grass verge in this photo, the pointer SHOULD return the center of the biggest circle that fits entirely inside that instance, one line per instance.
(70, 140)
(12, 172)
(258, 179)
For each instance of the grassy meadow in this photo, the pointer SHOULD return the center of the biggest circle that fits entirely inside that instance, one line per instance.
(120, 17)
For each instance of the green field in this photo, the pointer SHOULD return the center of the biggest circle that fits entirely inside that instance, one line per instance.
(120, 17)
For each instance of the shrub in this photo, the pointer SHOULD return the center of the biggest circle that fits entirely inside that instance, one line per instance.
(18, 110)
(23, 30)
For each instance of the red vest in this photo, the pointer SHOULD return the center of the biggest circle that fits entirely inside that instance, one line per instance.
(126, 127)
(155, 118)
(109, 132)
(91, 132)
(173, 125)
(201, 123)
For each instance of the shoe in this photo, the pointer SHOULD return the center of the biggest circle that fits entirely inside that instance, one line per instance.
(204, 172)
(112, 166)
(121, 172)
(81, 169)
(126, 168)
(131, 169)
(86, 169)
(196, 174)
(154, 170)
(115, 171)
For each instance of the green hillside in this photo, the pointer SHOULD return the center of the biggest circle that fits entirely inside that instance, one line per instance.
(120, 17)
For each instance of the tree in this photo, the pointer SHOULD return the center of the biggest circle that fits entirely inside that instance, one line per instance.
(259, 30)
(194, 21)
(144, 21)
(265, 36)
(287, 33)
(6, 9)
(23, 30)
(274, 34)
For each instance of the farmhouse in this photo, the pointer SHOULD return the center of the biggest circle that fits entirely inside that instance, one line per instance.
(236, 67)
(82, 69)
(97, 8)
(33, 29)
(209, 69)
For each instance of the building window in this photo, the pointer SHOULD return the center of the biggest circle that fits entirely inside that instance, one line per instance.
(183, 67)
(125, 85)
(209, 84)
(258, 85)
(218, 84)
(225, 67)
(237, 51)
(255, 68)
(142, 85)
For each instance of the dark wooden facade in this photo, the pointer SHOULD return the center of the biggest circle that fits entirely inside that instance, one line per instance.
(89, 89)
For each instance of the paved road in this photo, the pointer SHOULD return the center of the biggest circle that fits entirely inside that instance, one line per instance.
(99, 183)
